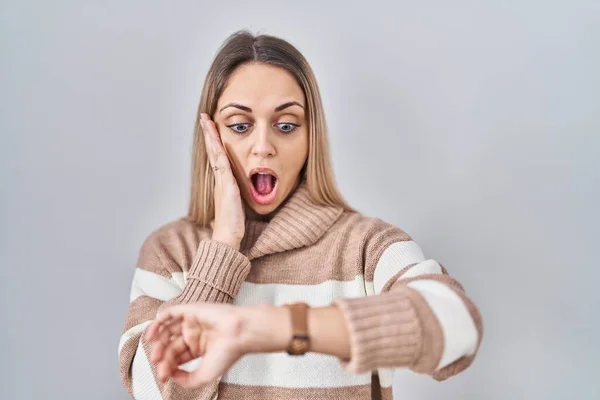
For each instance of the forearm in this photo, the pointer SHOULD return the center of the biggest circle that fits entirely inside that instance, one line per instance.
(365, 333)
(215, 275)
(328, 332)
(269, 330)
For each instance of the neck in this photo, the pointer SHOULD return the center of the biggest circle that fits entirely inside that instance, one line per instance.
(254, 216)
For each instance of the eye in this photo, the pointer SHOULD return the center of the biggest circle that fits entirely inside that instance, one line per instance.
(286, 127)
(239, 128)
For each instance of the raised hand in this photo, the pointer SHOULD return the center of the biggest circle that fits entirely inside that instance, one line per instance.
(230, 217)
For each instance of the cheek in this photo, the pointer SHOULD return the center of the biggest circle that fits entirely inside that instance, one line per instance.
(296, 153)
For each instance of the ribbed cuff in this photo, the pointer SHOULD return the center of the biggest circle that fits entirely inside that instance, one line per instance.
(394, 329)
(216, 274)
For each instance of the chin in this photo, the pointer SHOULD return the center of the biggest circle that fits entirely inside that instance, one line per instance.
(264, 210)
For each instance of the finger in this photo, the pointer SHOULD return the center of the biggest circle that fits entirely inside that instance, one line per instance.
(219, 164)
(181, 359)
(217, 360)
(209, 135)
(208, 144)
(157, 326)
(152, 331)
(221, 160)
(219, 156)
(186, 356)
(191, 332)
(169, 361)
(164, 339)
(210, 127)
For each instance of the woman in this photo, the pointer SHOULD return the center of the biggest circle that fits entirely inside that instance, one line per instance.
(272, 286)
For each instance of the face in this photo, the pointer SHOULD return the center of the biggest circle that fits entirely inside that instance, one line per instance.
(261, 120)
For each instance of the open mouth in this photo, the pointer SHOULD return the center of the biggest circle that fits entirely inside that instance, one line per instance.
(263, 185)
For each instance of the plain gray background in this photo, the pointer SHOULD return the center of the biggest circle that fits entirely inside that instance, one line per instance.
(472, 125)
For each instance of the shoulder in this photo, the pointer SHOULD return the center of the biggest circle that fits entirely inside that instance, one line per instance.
(176, 231)
(372, 236)
(172, 245)
(370, 230)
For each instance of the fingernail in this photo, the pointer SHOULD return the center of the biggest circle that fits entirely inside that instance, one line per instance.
(203, 116)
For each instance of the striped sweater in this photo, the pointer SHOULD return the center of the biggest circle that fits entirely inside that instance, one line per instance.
(401, 309)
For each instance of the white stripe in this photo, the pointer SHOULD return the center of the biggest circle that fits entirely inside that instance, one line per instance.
(180, 278)
(397, 256)
(318, 295)
(146, 283)
(236, 376)
(191, 365)
(142, 379)
(282, 370)
(132, 332)
(386, 377)
(422, 268)
(458, 329)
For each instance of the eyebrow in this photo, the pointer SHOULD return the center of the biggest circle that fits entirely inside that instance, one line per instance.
(277, 109)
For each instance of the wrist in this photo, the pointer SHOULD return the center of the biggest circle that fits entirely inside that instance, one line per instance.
(235, 244)
(328, 332)
(266, 329)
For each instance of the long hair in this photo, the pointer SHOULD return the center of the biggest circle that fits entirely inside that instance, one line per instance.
(240, 48)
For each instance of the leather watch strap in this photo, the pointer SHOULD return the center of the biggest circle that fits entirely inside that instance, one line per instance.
(300, 341)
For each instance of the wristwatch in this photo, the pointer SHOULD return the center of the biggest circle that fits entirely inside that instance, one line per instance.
(300, 341)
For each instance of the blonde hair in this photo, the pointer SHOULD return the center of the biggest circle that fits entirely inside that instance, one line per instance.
(240, 48)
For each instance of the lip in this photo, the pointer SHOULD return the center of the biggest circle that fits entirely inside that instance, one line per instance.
(263, 170)
(268, 199)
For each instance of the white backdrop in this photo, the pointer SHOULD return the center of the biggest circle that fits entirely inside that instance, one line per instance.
(474, 126)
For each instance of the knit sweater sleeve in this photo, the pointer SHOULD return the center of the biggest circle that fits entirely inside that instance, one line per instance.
(415, 314)
(162, 277)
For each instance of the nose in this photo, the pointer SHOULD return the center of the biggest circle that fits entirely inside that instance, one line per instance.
(263, 146)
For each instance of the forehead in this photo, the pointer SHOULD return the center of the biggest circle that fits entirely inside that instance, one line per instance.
(261, 86)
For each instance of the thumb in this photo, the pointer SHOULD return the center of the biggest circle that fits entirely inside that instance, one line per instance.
(217, 360)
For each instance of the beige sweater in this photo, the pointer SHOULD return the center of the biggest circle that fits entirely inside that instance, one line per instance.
(402, 310)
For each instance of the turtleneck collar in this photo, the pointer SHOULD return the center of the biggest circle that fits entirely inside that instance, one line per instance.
(300, 222)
